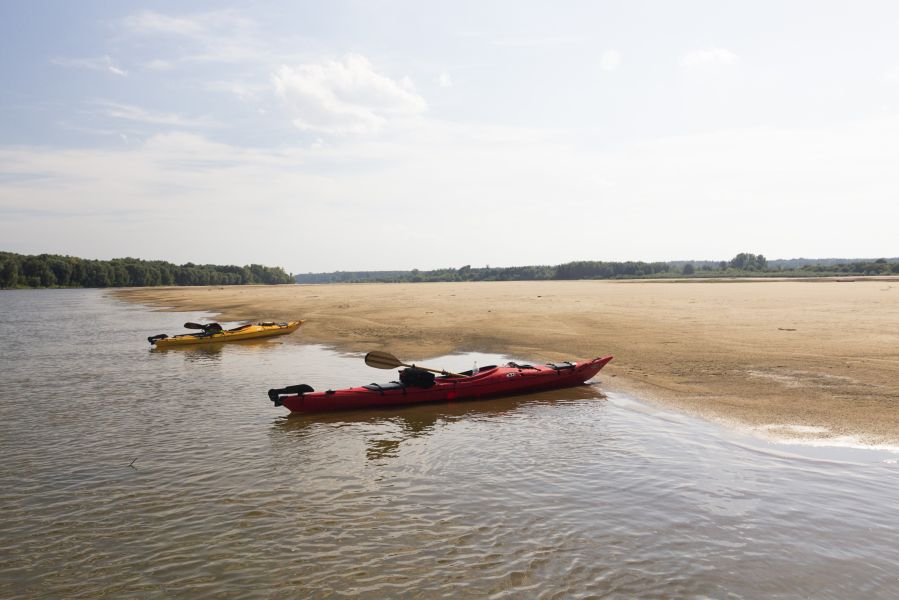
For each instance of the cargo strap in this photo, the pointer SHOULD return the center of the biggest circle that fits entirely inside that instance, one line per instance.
(393, 385)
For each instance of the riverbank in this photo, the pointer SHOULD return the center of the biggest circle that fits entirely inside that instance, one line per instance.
(791, 358)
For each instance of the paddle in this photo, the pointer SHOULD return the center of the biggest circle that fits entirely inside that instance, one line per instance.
(385, 360)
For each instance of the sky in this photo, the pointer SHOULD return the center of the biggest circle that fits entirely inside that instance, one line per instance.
(322, 136)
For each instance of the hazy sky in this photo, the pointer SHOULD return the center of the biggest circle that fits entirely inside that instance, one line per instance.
(326, 136)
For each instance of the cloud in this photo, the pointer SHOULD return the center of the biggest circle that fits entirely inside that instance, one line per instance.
(444, 80)
(720, 190)
(891, 76)
(180, 177)
(198, 26)
(539, 42)
(344, 97)
(244, 91)
(136, 113)
(216, 36)
(707, 57)
(158, 64)
(609, 60)
(102, 63)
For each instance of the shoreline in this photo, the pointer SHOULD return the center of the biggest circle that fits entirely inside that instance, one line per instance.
(817, 355)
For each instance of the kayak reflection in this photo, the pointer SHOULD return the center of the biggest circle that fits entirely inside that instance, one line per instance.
(205, 352)
(383, 432)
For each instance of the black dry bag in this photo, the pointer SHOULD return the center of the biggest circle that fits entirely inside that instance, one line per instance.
(416, 378)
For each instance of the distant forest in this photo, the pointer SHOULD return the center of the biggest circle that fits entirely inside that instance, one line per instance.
(742, 265)
(51, 270)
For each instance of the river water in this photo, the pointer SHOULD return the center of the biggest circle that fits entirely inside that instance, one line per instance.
(132, 473)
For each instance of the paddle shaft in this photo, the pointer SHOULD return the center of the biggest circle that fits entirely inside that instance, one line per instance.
(385, 360)
(432, 370)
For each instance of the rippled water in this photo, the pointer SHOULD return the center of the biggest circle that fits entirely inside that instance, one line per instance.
(559, 495)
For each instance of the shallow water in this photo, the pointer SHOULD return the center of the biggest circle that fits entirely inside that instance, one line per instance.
(558, 495)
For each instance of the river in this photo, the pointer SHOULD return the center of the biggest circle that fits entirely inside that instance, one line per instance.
(130, 472)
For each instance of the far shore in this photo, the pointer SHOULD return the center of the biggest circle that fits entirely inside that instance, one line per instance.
(787, 358)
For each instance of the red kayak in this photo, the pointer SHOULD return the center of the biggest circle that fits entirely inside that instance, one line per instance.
(417, 386)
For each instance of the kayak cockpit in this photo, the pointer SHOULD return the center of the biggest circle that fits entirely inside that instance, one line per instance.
(418, 378)
(385, 387)
(468, 374)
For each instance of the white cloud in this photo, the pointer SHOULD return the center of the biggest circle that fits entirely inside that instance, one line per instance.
(198, 26)
(157, 64)
(707, 57)
(539, 41)
(891, 76)
(216, 36)
(136, 113)
(242, 90)
(444, 80)
(723, 192)
(344, 97)
(609, 60)
(102, 63)
(149, 22)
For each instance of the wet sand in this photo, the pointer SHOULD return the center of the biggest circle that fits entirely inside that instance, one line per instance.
(792, 358)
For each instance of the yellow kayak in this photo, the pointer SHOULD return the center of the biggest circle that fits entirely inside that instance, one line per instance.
(212, 333)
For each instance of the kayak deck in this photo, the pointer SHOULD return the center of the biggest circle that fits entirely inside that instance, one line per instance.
(506, 380)
(244, 332)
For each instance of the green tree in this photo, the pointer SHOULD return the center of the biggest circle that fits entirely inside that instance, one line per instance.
(37, 272)
(9, 271)
(745, 261)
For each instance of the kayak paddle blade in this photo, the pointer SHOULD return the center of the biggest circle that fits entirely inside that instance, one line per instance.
(382, 360)
(385, 360)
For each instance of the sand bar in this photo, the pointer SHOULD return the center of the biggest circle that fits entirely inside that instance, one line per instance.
(817, 357)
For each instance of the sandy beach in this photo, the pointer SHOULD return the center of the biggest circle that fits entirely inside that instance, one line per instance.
(788, 358)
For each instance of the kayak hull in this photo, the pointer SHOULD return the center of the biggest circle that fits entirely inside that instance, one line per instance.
(507, 380)
(250, 332)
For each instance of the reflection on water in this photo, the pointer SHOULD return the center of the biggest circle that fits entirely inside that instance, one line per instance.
(383, 430)
(564, 494)
(200, 352)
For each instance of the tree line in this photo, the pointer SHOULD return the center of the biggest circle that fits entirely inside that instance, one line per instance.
(744, 264)
(52, 270)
